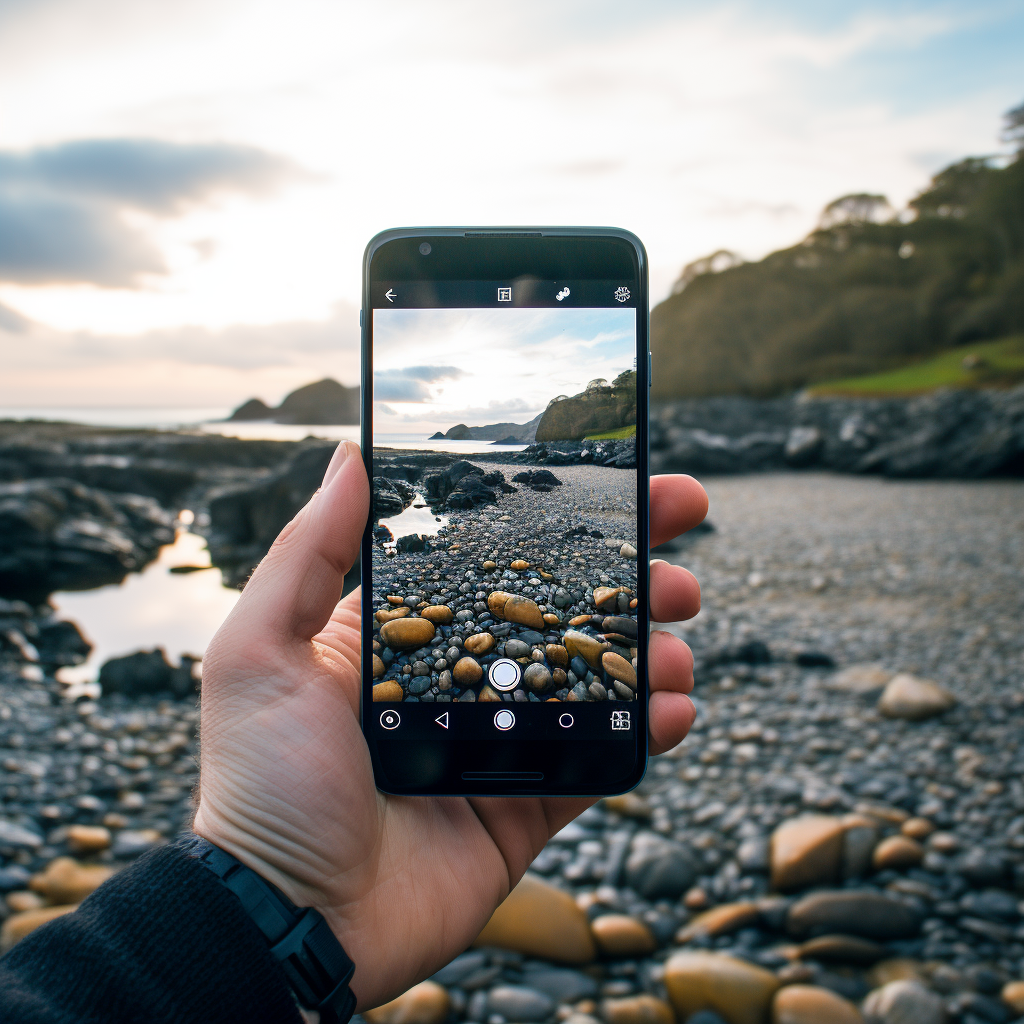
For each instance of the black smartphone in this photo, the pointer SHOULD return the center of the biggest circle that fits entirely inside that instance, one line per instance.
(505, 377)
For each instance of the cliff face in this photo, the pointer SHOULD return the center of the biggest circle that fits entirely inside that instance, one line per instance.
(324, 403)
(595, 411)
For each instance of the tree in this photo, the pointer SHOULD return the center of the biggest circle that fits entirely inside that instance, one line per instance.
(1013, 127)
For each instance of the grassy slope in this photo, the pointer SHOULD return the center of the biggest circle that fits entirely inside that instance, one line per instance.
(844, 303)
(613, 435)
(989, 364)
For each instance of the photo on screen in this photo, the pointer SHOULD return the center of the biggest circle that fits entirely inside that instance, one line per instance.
(504, 562)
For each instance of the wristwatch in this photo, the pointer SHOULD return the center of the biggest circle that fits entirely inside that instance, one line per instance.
(317, 968)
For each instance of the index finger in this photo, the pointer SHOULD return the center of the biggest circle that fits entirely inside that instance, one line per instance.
(678, 504)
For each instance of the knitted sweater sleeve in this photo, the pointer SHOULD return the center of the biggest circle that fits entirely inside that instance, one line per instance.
(161, 942)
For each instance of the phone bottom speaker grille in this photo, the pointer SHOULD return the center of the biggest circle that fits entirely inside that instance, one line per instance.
(503, 776)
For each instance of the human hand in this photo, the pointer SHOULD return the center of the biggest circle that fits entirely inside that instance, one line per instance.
(286, 783)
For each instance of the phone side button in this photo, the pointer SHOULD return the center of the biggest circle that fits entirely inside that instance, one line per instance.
(650, 367)
(360, 318)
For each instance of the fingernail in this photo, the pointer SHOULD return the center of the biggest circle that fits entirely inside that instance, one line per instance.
(341, 453)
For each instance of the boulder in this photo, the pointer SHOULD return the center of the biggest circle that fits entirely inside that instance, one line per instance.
(538, 920)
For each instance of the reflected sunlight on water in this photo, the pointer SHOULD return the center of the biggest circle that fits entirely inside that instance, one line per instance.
(417, 518)
(179, 612)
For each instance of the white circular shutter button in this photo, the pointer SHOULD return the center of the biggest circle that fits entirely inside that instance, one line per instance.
(504, 675)
(504, 720)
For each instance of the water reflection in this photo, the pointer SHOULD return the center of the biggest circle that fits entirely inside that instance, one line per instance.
(417, 518)
(162, 606)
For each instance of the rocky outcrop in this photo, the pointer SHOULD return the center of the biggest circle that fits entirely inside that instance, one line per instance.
(966, 434)
(148, 672)
(601, 408)
(496, 433)
(325, 402)
(464, 486)
(56, 534)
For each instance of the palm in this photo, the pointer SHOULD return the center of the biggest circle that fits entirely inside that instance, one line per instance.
(287, 785)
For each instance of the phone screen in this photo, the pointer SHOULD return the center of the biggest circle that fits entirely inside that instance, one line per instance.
(506, 593)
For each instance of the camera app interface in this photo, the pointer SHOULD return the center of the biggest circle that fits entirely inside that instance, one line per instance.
(504, 564)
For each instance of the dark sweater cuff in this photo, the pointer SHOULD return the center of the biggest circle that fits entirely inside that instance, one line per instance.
(162, 941)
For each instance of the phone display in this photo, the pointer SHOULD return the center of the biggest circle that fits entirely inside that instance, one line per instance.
(504, 564)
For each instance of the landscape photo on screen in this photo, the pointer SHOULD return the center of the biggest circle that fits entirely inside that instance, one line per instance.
(504, 505)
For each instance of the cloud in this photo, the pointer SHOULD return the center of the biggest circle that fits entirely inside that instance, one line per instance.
(62, 206)
(493, 411)
(409, 384)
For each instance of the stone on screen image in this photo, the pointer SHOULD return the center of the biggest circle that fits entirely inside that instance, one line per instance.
(526, 551)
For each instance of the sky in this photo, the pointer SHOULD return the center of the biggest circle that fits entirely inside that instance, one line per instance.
(500, 365)
(186, 189)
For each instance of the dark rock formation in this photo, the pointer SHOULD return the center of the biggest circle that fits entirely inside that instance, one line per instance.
(460, 432)
(148, 672)
(56, 534)
(325, 402)
(537, 479)
(509, 433)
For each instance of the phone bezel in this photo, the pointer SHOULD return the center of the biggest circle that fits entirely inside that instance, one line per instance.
(505, 250)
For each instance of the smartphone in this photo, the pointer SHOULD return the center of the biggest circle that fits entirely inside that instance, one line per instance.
(505, 377)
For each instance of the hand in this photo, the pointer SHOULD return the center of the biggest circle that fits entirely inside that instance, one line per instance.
(286, 785)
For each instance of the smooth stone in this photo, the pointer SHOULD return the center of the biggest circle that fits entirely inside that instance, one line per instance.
(19, 837)
(17, 926)
(464, 965)
(604, 595)
(538, 920)
(557, 655)
(67, 881)
(914, 699)
(597, 691)
(395, 599)
(496, 601)
(903, 1002)
(721, 920)
(809, 1004)
(519, 1003)
(524, 612)
(859, 841)
(618, 668)
(842, 949)
(388, 614)
(628, 551)
(439, 614)
(480, 643)
(378, 667)
(561, 984)
(389, 691)
(537, 677)
(620, 624)
(551, 619)
(628, 805)
(444, 680)
(488, 565)
(917, 828)
(741, 992)
(425, 1003)
(407, 633)
(467, 671)
(132, 842)
(896, 853)
(860, 679)
(516, 649)
(897, 968)
(658, 868)
(519, 565)
(623, 691)
(580, 620)
(88, 838)
(642, 1009)
(486, 693)
(620, 936)
(865, 912)
(1013, 996)
(806, 851)
(19, 902)
(586, 647)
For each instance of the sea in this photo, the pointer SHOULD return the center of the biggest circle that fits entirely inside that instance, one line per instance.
(180, 611)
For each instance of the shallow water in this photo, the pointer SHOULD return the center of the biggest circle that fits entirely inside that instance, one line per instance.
(417, 518)
(152, 608)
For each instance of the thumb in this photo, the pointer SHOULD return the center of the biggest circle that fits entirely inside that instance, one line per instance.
(294, 590)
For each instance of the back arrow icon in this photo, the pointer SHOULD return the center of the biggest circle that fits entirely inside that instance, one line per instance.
(442, 720)
(390, 295)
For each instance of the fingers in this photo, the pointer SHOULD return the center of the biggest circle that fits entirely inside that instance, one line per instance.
(294, 589)
(670, 712)
(675, 592)
(678, 504)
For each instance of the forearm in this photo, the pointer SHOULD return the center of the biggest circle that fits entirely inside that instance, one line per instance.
(162, 941)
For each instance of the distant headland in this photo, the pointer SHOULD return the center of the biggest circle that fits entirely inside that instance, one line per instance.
(324, 403)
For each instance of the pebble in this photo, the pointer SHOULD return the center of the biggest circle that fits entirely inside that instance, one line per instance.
(537, 677)
(810, 1004)
(67, 881)
(618, 668)
(480, 643)
(739, 991)
(18, 902)
(806, 851)
(657, 868)
(88, 838)
(584, 646)
(897, 852)
(562, 985)
(17, 926)
(539, 920)
(389, 690)
(914, 699)
(863, 912)
(721, 920)
(619, 936)
(407, 633)
(439, 614)
(860, 679)
(378, 669)
(628, 551)
(425, 1003)
(842, 949)
(904, 1002)
(519, 1003)
(467, 671)
(641, 1009)
(1013, 996)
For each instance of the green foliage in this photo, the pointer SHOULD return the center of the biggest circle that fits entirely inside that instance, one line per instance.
(988, 364)
(613, 435)
(854, 298)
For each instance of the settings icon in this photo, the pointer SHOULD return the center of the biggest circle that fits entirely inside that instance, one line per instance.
(621, 293)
